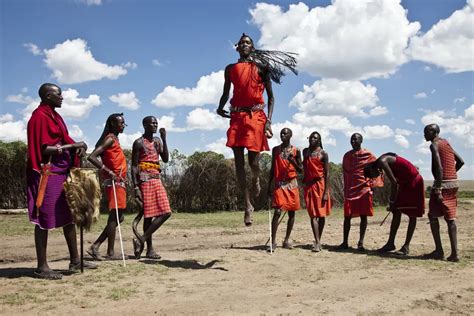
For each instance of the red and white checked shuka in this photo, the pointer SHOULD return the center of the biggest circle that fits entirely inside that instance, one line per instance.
(155, 199)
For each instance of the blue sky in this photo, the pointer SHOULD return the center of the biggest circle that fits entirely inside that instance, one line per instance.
(381, 68)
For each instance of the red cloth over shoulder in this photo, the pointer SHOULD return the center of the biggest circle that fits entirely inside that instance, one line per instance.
(45, 128)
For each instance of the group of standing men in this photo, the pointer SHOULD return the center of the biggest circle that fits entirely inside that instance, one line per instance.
(250, 126)
(52, 152)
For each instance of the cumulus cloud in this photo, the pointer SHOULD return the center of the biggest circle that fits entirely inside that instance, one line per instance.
(402, 141)
(72, 62)
(461, 126)
(420, 95)
(32, 48)
(74, 107)
(300, 134)
(156, 62)
(91, 2)
(167, 122)
(423, 148)
(130, 65)
(410, 121)
(20, 98)
(377, 131)
(126, 100)
(336, 97)
(346, 39)
(448, 44)
(459, 100)
(12, 130)
(219, 147)
(7, 117)
(207, 91)
(76, 132)
(126, 140)
(204, 119)
(403, 132)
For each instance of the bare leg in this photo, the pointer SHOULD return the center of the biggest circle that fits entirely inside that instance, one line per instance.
(289, 228)
(151, 227)
(438, 253)
(255, 167)
(71, 240)
(316, 233)
(276, 217)
(321, 222)
(41, 243)
(146, 224)
(242, 180)
(363, 228)
(390, 245)
(453, 238)
(347, 229)
(410, 231)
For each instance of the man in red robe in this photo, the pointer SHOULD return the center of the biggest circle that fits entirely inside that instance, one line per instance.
(445, 163)
(357, 190)
(50, 151)
(249, 125)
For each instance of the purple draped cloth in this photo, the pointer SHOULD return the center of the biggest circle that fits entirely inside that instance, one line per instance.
(55, 211)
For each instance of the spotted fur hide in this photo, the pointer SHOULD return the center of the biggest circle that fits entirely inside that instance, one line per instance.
(83, 196)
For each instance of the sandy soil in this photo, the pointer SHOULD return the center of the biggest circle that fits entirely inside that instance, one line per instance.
(226, 271)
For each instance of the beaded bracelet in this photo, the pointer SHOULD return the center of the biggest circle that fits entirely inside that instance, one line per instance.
(59, 149)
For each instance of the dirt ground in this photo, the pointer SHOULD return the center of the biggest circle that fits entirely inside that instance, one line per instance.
(213, 270)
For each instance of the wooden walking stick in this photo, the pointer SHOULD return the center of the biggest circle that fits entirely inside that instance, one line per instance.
(388, 213)
(118, 221)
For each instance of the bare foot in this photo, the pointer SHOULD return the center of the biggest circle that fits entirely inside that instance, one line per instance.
(386, 248)
(248, 216)
(453, 258)
(436, 255)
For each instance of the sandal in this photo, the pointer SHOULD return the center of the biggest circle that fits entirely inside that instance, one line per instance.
(248, 216)
(453, 258)
(316, 248)
(436, 255)
(360, 247)
(113, 257)
(404, 251)
(386, 248)
(94, 253)
(76, 266)
(342, 246)
(48, 275)
(153, 255)
(138, 246)
(287, 245)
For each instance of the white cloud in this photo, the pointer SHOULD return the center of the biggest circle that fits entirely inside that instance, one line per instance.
(156, 62)
(207, 91)
(420, 95)
(74, 107)
(73, 62)
(448, 44)
(32, 48)
(12, 131)
(346, 40)
(130, 65)
(91, 2)
(20, 98)
(336, 97)
(7, 117)
(126, 100)
(459, 100)
(403, 132)
(423, 148)
(167, 122)
(126, 140)
(330, 122)
(410, 121)
(219, 147)
(205, 120)
(466, 172)
(24, 90)
(377, 132)
(427, 68)
(461, 127)
(402, 141)
(76, 132)
(300, 134)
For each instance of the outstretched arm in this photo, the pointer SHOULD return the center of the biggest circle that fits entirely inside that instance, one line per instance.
(225, 93)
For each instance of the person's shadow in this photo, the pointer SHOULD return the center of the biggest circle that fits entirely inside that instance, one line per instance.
(186, 264)
(15, 273)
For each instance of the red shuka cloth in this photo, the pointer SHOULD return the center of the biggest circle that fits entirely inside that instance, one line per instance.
(248, 85)
(357, 189)
(45, 128)
(411, 191)
(313, 193)
(286, 194)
